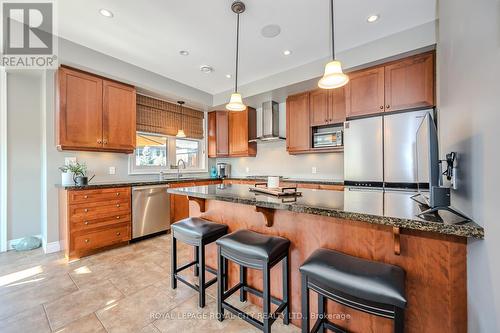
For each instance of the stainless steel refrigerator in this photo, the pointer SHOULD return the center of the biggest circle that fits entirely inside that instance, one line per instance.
(380, 151)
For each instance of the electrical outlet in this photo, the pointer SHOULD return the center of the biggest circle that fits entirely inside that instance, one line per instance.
(69, 160)
(247, 170)
(314, 170)
(112, 170)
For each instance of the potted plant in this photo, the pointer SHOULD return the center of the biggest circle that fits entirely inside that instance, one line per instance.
(66, 175)
(79, 172)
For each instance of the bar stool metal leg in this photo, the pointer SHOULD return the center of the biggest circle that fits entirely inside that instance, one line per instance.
(286, 289)
(220, 284)
(305, 305)
(243, 281)
(321, 312)
(266, 300)
(197, 259)
(173, 263)
(201, 276)
(399, 320)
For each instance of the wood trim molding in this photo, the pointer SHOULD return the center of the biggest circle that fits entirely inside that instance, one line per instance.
(267, 213)
(396, 234)
(3, 160)
(200, 202)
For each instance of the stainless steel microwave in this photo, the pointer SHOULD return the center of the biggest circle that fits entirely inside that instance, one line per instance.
(327, 139)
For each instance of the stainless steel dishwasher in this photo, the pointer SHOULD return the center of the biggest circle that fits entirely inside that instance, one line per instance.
(150, 210)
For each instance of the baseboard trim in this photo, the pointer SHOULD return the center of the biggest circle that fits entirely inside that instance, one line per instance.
(12, 242)
(52, 247)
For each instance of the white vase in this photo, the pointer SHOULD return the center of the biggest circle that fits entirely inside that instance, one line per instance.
(67, 178)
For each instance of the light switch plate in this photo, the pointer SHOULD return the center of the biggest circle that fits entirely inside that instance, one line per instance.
(69, 160)
(112, 170)
(314, 170)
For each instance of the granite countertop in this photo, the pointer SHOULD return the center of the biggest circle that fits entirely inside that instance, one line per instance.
(126, 183)
(392, 208)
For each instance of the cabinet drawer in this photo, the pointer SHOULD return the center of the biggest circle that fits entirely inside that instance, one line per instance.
(89, 212)
(83, 225)
(102, 238)
(85, 196)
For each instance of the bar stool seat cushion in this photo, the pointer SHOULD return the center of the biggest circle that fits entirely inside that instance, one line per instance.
(365, 279)
(198, 228)
(251, 244)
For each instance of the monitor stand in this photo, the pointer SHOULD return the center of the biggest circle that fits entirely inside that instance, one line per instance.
(437, 209)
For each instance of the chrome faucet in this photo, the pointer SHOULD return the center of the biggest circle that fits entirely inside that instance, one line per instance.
(178, 167)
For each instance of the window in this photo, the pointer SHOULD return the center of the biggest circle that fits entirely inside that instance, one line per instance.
(156, 152)
(189, 152)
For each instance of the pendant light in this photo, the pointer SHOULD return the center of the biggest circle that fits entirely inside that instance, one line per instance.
(333, 77)
(236, 102)
(180, 132)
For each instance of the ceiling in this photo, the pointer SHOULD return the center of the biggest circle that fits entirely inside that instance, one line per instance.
(150, 34)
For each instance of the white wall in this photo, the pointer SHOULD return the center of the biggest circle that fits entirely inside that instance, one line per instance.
(24, 108)
(468, 58)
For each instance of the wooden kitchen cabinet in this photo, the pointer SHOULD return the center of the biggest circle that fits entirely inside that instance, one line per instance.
(298, 130)
(179, 204)
(218, 136)
(365, 92)
(409, 83)
(242, 128)
(95, 114)
(92, 220)
(327, 107)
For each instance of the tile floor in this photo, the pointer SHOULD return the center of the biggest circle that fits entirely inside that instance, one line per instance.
(121, 290)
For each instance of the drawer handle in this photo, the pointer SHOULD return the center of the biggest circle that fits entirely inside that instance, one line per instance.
(117, 217)
(118, 205)
(117, 193)
(85, 196)
(118, 233)
(86, 222)
(86, 210)
(87, 240)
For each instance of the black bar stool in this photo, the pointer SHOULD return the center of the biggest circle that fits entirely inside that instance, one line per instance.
(250, 249)
(369, 286)
(198, 233)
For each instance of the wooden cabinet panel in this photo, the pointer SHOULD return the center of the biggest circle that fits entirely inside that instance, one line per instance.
(94, 240)
(119, 116)
(337, 106)
(319, 105)
(179, 204)
(298, 131)
(242, 127)
(84, 212)
(218, 136)
(410, 83)
(86, 196)
(80, 110)
(85, 225)
(365, 92)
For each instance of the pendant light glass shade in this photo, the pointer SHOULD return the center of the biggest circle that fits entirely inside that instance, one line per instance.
(236, 103)
(180, 134)
(333, 77)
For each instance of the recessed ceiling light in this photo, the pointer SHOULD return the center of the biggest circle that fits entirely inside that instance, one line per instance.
(184, 53)
(287, 52)
(270, 31)
(105, 12)
(373, 18)
(206, 69)
(228, 76)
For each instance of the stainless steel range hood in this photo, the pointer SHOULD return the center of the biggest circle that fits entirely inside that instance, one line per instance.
(270, 122)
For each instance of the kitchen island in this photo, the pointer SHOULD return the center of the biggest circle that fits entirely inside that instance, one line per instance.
(375, 225)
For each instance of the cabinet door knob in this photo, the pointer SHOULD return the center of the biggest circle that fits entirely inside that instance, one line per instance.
(105, 141)
(118, 205)
(86, 210)
(86, 222)
(381, 107)
(117, 193)
(388, 106)
(87, 240)
(85, 196)
(118, 233)
(99, 141)
(117, 217)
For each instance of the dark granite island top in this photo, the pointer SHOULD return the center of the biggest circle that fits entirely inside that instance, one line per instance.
(391, 208)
